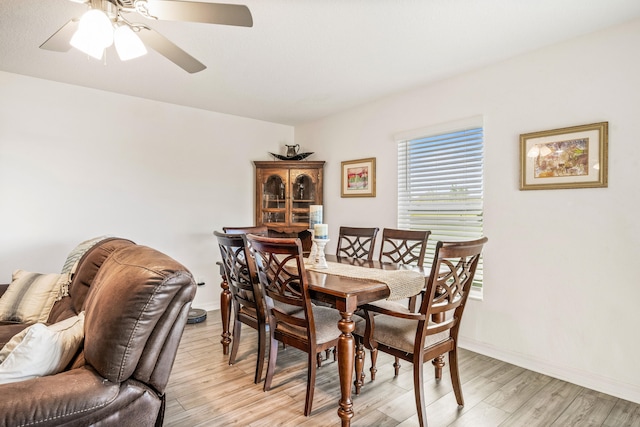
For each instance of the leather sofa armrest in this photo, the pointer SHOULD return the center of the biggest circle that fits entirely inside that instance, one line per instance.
(3, 288)
(68, 397)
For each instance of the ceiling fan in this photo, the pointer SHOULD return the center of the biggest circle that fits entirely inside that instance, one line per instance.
(130, 38)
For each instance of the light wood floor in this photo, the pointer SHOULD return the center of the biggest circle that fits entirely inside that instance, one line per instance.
(205, 391)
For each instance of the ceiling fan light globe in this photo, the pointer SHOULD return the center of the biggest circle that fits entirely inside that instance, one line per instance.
(127, 43)
(86, 44)
(95, 29)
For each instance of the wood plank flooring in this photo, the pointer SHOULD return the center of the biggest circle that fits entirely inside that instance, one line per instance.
(205, 391)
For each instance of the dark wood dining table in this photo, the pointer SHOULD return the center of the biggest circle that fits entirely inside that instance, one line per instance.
(345, 294)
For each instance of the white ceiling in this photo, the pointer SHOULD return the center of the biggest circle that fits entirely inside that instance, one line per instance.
(306, 59)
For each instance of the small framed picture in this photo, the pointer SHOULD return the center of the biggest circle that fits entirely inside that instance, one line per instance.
(573, 157)
(359, 178)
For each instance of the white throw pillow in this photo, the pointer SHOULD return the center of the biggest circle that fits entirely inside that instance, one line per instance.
(41, 350)
(30, 296)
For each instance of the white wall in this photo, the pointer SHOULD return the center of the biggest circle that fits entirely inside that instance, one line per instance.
(77, 163)
(561, 285)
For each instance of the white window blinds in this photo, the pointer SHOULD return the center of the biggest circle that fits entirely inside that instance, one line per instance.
(440, 187)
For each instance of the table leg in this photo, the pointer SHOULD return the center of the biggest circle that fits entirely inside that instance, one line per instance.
(225, 313)
(346, 354)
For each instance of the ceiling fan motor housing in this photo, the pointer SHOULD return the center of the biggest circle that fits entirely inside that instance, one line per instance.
(108, 7)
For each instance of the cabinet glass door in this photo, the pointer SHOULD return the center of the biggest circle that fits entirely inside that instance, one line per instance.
(274, 200)
(303, 195)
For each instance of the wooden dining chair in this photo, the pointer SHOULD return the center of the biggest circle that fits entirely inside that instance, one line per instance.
(225, 295)
(356, 242)
(280, 268)
(404, 247)
(246, 297)
(433, 330)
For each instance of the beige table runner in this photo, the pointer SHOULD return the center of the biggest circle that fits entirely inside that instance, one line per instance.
(401, 283)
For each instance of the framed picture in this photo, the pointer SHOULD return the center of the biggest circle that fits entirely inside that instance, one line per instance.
(573, 157)
(359, 178)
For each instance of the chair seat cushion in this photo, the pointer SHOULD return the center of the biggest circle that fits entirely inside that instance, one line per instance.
(326, 321)
(398, 333)
(286, 308)
(391, 305)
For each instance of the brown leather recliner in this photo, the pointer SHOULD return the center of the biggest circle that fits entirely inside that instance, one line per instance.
(136, 307)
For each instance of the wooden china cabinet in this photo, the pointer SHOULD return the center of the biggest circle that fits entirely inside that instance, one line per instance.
(285, 189)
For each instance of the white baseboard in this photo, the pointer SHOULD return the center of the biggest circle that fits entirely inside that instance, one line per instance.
(582, 378)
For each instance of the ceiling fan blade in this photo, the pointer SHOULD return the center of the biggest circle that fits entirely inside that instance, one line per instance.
(165, 47)
(208, 13)
(59, 41)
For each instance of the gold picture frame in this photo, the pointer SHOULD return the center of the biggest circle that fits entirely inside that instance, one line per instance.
(358, 178)
(571, 157)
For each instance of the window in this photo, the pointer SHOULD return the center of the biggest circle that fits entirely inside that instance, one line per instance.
(440, 186)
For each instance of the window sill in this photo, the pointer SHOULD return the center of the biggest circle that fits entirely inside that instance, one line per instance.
(476, 294)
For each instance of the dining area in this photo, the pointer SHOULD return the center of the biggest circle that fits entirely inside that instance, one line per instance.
(363, 300)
